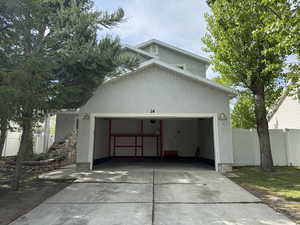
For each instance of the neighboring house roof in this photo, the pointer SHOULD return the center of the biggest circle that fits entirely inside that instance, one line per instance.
(182, 51)
(139, 51)
(171, 68)
(285, 93)
(277, 106)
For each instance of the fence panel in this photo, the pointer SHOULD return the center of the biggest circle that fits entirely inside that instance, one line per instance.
(12, 143)
(278, 146)
(285, 146)
(293, 147)
(245, 147)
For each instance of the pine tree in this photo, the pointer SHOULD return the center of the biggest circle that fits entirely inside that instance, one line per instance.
(54, 59)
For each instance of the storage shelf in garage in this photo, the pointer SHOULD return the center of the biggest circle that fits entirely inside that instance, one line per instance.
(128, 146)
(135, 135)
(140, 135)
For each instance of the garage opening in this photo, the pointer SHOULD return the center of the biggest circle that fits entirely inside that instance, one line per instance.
(164, 139)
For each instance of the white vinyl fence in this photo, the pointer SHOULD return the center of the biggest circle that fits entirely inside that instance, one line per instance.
(285, 147)
(13, 140)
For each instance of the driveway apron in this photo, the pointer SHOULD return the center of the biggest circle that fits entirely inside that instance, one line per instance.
(152, 194)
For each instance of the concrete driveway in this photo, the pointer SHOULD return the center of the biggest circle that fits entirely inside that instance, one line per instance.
(151, 194)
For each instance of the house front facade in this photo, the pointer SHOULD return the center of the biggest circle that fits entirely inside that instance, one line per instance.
(166, 107)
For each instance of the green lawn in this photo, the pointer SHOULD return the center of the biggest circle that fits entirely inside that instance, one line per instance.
(284, 181)
(280, 188)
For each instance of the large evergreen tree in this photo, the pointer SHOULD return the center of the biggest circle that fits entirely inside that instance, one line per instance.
(54, 59)
(7, 93)
(7, 108)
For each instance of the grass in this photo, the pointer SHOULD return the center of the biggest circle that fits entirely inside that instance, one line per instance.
(280, 188)
(283, 181)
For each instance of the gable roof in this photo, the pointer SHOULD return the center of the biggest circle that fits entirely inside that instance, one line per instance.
(277, 106)
(177, 70)
(139, 51)
(285, 94)
(166, 45)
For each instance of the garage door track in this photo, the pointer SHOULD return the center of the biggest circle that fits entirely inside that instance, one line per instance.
(152, 194)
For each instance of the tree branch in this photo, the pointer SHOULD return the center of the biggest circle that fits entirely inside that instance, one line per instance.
(273, 11)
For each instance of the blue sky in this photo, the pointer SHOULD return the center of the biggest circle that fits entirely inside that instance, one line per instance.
(177, 22)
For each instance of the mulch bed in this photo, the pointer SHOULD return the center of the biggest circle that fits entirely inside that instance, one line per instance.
(30, 170)
(14, 204)
(32, 192)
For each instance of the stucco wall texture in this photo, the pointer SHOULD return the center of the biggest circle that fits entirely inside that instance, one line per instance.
(65, 125)
(165, 92)
(174, 58)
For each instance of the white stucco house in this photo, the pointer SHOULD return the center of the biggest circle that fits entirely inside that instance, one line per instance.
(165, 107)
(286, 114)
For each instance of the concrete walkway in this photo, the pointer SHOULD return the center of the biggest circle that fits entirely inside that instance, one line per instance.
(151, 194)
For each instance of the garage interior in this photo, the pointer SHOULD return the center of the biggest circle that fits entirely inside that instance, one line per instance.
(154, 138)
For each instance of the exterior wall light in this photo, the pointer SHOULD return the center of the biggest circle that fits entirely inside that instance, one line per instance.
(222, 116)
(86, 116)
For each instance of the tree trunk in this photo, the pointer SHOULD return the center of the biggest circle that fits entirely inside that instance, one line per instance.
(266, 160)
(25, 143)
(3, 133)
(28, 135)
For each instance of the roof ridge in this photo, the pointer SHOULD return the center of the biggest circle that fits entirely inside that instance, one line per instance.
(174, 69)
(173, 47)
(139, 51)
(278, 103)
(194, 76)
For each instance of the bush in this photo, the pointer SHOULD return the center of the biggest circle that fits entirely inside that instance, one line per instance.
(39, 157)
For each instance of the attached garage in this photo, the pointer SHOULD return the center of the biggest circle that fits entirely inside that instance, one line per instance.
(158, 110)
(154, 137)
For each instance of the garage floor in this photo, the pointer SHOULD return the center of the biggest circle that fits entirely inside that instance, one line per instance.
(152, 194)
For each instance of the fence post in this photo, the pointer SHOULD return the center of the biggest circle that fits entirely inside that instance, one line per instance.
(5, 145)
(46, 135)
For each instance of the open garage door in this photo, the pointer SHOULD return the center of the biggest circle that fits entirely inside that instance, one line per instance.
(139, 138)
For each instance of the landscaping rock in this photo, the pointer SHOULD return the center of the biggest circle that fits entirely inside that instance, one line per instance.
(65, 150)
(59, 155)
